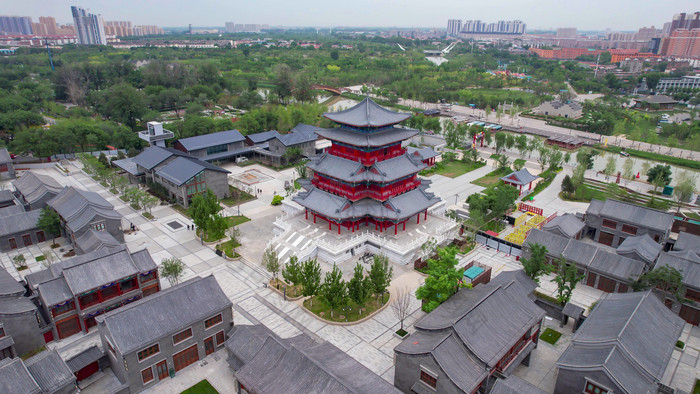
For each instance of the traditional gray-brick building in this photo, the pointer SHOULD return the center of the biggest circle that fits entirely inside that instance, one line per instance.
(624, 346)
(182, 175)
(265, 363)
(476, 334)
(611, 221)
(151, 339)
(687, 262)
(20, 322)
(20, 230)
(44, 373)
(82, 210)
(571, 110)
(566, 225)
(302, 136)
(224, 145)
(73, 292)
(34, 190)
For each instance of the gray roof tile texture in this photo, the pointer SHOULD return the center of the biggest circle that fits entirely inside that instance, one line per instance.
(643, 246)
(514, 385)
(616, 266)
(145, 321)
(356, 138)
(631, 335)
(352, 171)
(635, 214)
(522, 177)
(5, 156)
(128, 165)
(83, 359)
(259, 138)
(213, 139)
(80, 207)
(367, 113)
(50, 371)
(11, 210)
(55, 291)
(270, 364)
(154, 155)
(567, 223)
(93, 240)
(19, 222)
(689, 268)
(687, 241)
(9, 285)
(555, 244)
(15, 378)
(300, 136)
(12, 305)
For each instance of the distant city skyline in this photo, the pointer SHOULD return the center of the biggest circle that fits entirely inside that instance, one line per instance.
(625, 15)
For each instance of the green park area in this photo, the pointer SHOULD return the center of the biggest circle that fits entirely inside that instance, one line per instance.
(203, 387)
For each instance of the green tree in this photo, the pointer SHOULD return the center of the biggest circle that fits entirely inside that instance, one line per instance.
(503, 163)
(543, 157)
(610, 167)
(627, 168)
(334, 289)
(566, 278)
(442, 281)
(567, 157)
(292, 271)
(271, 262)
(555, 158)
(685, 187)
(148, 202)
(49, 222)
(567, 186)
(202, 209)
(359, 287)
(666, 279)
(659, 174)
(283, 81)
(335, 54)
(122, 103)
(302, 89)
(172, 269)
(521, 144)
(380, 274)
(536, 265)
(500, 142)
(310, 279)
(585, 157)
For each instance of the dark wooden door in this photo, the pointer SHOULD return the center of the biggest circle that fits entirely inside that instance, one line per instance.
(186, 357)
(13, 243)
(606, 238)
(209, 345)
(40, 237)
(590, 281)
(606, 284)
(27, 239)
(87, 371)
(162, 370)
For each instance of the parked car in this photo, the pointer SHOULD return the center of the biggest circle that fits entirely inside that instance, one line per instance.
(623, 153)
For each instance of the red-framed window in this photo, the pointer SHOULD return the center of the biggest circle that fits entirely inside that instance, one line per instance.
(609, 223)
(212, 321)
(147, 375)
(59, 310)
(13, 243)
(428, 379)
(182, 335)
(89, 299)
(148, 352)
(27, 239)
(110, 292)
(592, 388)
(6, 353)
(151, 290)
(128, 285)
(100, 226)
(148, 276)
(220, 338)
(68, 327)
(626, 228)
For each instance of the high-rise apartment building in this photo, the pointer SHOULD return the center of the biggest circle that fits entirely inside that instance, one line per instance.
(16, 25)
(500, 27)
(230, 27)
(454, 26)
(89, 27)
(682, 43)
(566, 32)
(50, 25)
(685, 21)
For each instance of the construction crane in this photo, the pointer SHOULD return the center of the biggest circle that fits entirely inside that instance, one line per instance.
(48, 49)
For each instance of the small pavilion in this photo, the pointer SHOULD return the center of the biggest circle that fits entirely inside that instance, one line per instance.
(520, 179)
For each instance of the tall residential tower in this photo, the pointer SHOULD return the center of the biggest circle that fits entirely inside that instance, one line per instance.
(88, 27)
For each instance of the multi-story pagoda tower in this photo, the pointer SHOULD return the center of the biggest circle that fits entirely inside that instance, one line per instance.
(366, 176)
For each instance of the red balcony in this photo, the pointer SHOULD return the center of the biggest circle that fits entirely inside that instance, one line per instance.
(363, 191)
(366, 158)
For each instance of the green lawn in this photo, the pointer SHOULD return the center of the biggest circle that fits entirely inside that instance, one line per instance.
(182, 210)
(236, 220)
(228, 246)
(550, 336)
(490, 179)
(677, 161)
(455, 168)
(352, 315)
(696, 389)
(203, 387)
(691, 215)
(237, 197)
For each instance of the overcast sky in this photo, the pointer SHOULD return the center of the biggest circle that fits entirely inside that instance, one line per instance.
(537, 14)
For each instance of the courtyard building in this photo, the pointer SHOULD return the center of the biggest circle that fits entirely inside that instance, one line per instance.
(44, 373)
(520, 179)
(20, 321)
(624, 346)
(34, 190)
(611, 221)
(221, 146)
(687, 262)
(157, 337)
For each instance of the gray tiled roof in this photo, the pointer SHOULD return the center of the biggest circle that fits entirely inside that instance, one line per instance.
(84, 358)
(514, 385)
(356, 138)
(12, 305)
(183, 169)
(522, 177)
(15, 378)
(154, 155)
(9, 285)
(423, 153)
(19, 223)
(213, 139)
(352, 171)
(555, 244)
(297, 137)
(658, 98)
(688, 268)
(630, 335)
(80, 207)
(579, 252)
(687, 241)
(128, 165)
(464, 369)
(93, 240)
(640, 247)
(100, 271)
(367, 113)
(340, 208)
(616, 266)
(35, 186)
(489, 319)
(140, 323)
(269, 364)
(594, 207)
(6, 341)
(50, 371)
(635, 214)
(11, 210)
(5, 156)
(6, 195)
(259, 138)
(568, 224)
(54, 291)
(143, 261)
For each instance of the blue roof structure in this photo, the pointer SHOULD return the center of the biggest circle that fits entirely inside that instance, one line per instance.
(473, 272)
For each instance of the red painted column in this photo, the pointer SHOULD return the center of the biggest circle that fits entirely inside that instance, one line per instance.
(306, 212)
(396, 228)
(404, 225)
(338, 228)
(381, 227)
(529, 186)
(418, 218)
(426, 215)
(329, 226)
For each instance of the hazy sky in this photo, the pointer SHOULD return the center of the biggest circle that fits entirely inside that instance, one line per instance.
(585, 15)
